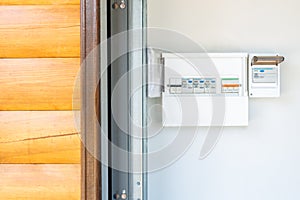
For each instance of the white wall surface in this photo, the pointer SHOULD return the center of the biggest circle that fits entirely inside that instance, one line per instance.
(261, 161)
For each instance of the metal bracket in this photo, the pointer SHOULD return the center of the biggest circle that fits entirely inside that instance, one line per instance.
(155, 73)
(267, 60)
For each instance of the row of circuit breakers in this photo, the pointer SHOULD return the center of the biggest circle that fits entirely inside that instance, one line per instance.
(203, 85)
(214, 89)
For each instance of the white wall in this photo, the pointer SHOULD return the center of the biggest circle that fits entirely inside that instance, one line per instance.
(262, 161)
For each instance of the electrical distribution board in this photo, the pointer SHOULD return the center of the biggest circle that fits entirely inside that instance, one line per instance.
(212, 89)
(205, 90)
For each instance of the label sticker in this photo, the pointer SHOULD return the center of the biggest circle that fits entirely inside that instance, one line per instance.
(264, 75)
(230, 85)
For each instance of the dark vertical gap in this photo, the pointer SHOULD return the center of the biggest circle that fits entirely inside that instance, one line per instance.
(98, 99)
(128, 86)
(117, 22)
(145, 103)
(110, 183)
(83, 93)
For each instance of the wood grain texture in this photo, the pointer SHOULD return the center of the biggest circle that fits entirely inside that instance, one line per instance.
(39, 137)
(53, 182)
(91, 186)
(39, 84)
(39, 2)
(39, 31)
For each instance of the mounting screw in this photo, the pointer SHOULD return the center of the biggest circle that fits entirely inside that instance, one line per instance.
(124, 195)
(116, 196)
(122, 4)
(115, 6)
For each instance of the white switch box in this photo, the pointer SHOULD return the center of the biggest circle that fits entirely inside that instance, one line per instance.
(264, 75)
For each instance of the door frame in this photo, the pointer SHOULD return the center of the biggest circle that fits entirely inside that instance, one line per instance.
(90, 100)
(94, 175)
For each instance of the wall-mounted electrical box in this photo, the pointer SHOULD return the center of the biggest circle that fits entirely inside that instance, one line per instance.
(213, 89)
(264, 75)
(205, 89)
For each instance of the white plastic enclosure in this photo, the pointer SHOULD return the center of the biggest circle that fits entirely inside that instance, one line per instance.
(264, 78)
(205, 89)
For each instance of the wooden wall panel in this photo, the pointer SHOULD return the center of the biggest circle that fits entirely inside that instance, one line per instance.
(38, 84)
(45, 182)
(39, 60)
(39, 137)
(39, 2)
(39, 31)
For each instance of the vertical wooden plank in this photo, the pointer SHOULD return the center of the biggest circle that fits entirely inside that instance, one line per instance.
(90, 39)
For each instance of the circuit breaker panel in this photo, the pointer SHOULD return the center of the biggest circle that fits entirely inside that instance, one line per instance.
(205, 90)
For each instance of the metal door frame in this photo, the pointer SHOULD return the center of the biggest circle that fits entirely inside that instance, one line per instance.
(98, 180)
